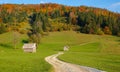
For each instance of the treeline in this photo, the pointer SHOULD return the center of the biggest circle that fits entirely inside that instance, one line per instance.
(55, 17)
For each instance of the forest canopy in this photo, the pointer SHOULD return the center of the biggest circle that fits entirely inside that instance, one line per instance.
(56, 17)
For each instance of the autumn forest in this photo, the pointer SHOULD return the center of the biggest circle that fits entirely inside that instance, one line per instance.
(39, 18)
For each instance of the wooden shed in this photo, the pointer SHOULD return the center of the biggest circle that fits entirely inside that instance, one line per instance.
(29, 47)
(66, 48)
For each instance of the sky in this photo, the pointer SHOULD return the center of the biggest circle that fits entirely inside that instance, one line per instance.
(112, 5)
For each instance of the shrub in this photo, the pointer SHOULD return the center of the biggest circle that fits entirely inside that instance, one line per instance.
(118, 34)
(2, 28)
(107, 30)
(100, 32)
(60, 29)
(23, 31)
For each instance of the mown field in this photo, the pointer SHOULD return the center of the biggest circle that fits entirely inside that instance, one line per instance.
(15, 60)
(101, 52)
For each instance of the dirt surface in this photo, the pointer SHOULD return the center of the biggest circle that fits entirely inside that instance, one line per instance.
(60, 66)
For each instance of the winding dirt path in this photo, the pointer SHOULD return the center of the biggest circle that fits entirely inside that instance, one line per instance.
(60, 66)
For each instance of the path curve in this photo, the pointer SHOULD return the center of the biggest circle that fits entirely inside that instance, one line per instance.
(60, 66)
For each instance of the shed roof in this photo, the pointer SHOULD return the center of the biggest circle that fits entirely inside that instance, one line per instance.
(29, 45)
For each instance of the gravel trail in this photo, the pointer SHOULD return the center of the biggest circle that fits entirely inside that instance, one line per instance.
(60, 66)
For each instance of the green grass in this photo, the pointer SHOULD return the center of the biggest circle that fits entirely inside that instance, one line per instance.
(89, 47)
(15, 60)
(101, 52)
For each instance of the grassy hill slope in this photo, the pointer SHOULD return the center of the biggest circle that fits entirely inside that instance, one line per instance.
(101, 52)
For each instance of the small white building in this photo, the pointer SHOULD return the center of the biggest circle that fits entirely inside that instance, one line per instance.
(66, 48)
(30, 47)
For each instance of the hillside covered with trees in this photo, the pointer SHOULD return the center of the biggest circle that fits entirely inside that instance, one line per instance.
(55, 17)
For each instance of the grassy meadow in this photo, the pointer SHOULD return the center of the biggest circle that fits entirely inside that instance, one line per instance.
(101, 52)
(15, 60)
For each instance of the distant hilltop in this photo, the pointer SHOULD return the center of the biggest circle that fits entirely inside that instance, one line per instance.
(53, 6)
